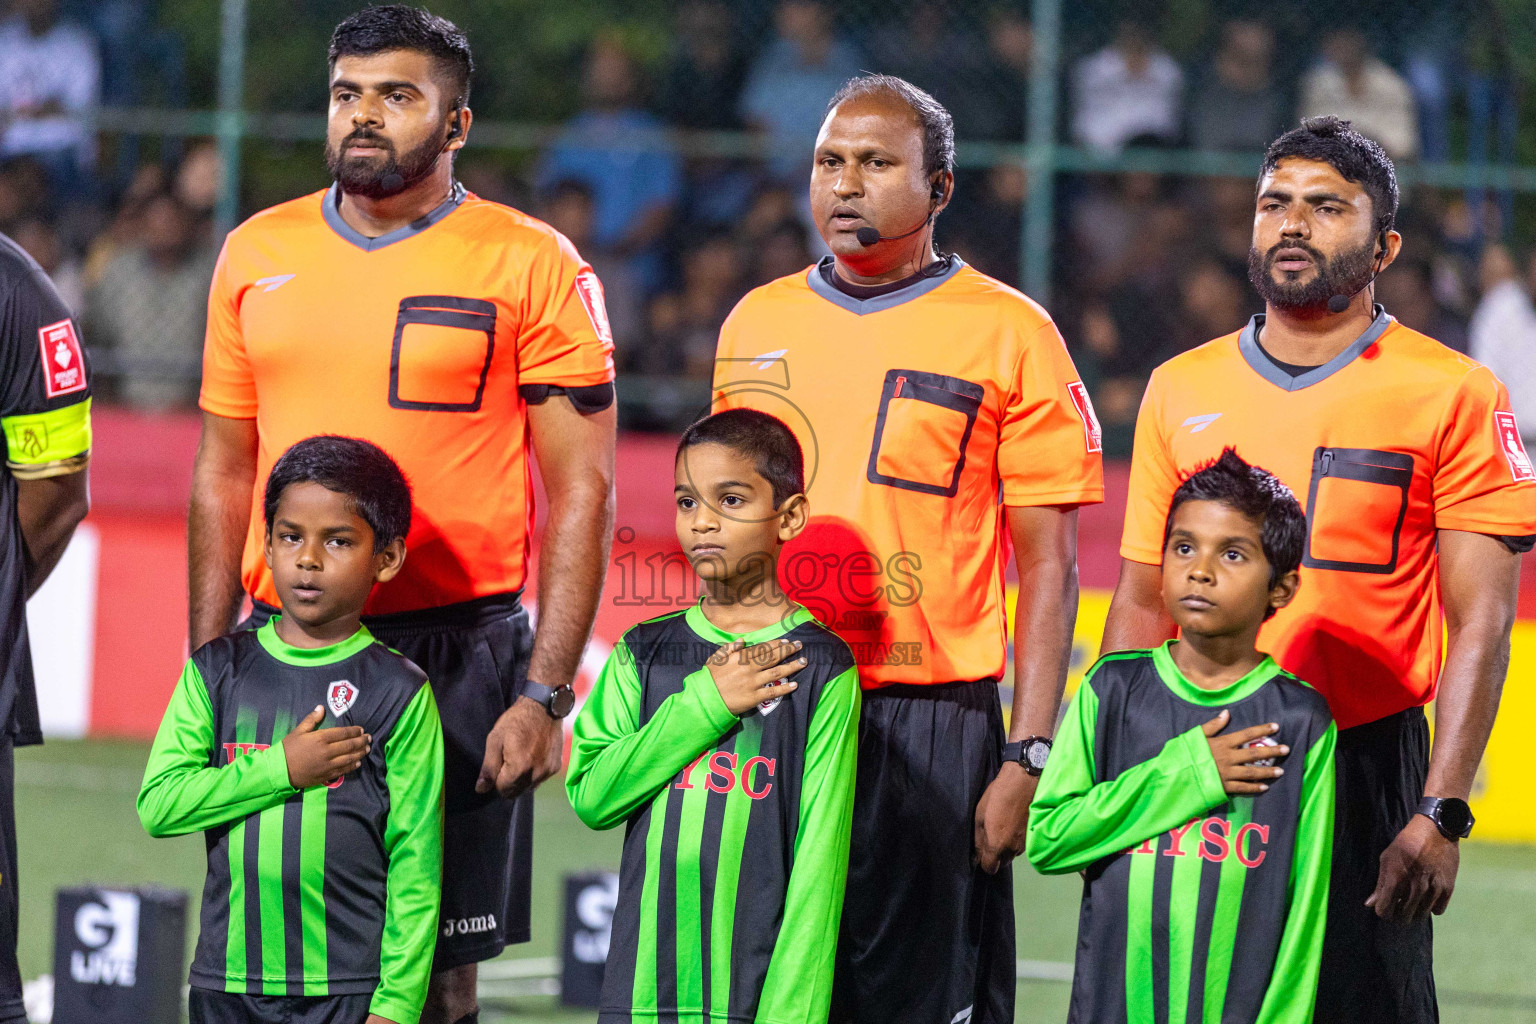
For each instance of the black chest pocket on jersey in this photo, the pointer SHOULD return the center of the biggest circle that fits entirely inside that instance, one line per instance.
(924, 424)
(1356, 506)
(442, 353)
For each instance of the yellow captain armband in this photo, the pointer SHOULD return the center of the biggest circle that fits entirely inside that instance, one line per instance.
(49, 443)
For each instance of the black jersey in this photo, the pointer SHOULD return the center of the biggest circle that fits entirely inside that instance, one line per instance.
(45, 406)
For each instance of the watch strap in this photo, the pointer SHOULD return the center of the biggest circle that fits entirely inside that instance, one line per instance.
(558, 701)
(1019, 752)
(1431, 807)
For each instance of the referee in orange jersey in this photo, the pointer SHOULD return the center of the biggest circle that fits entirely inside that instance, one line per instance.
(462, 337)
(944, 424)
(1419, 497)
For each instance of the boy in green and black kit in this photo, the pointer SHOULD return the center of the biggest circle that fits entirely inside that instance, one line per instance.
(724, 737)
(311, 756)
(1193, 785)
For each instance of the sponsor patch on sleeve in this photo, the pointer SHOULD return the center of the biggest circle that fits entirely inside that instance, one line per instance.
(591, 291)
(1084, 405)
(1514, 448)
(63, 361)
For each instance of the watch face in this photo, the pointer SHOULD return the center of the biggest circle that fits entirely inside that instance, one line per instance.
(1035, 754)
(561, 701)
(1455, 817)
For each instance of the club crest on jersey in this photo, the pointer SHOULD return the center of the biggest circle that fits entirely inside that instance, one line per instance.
(1514, 448)
(63, 361)
(339, 697)
(766, 707)
(1262, 741)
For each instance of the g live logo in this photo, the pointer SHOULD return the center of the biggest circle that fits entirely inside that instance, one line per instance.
(108, 928)
(723, 774)
(1213, 840)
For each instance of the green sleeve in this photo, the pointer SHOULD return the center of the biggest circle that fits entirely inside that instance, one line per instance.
(1293, 986)
(798, 988)
(617, 766)
(413, 840)
(181, 793)
(1075, 820)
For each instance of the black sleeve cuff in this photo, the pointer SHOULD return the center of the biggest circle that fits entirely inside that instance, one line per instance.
(587, 400)
(1519, 545)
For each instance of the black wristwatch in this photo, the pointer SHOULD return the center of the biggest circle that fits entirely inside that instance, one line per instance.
(558, 702)
(1030, 753)
(1451, 816)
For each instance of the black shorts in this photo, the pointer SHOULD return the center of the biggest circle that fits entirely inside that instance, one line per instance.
(11, 1008)
(205, 1006)
(926, 937)
(1375, 971)
(476, 656)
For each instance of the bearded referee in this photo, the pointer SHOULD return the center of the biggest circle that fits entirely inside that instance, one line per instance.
(460, 336)
(943, 424)
(1419, 500)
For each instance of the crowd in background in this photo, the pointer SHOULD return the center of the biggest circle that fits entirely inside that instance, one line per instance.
(1144, 265)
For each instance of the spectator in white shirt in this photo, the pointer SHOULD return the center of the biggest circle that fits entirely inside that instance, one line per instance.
(50, 75)
(1127, 89)
(1354, 84)
(1503, 333)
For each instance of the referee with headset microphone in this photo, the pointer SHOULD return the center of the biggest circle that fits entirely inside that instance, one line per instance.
(943, 422)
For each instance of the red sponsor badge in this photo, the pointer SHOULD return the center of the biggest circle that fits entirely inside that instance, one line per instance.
(1514, 448)
(1084, 406)
(591, 291)
(63, 361)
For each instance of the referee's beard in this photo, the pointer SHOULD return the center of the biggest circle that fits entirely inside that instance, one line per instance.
(380, 179)
(1345, 273)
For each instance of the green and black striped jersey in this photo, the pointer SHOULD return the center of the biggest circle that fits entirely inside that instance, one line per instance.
(1198, 908)
(325, 891)
(731, 886)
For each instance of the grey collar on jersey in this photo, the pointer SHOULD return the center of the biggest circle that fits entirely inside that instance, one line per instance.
(332, 208)
(1248, 345)
(859, 307)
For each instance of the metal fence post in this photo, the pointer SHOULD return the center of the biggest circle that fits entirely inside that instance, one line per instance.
(231, 115)
(1039, 211)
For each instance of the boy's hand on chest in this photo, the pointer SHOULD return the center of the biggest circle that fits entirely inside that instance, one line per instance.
(1244, 759)
(318, 757)
(750, 676)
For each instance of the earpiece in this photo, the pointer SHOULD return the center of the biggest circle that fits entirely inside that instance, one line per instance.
(455, 128)
(1340, 302)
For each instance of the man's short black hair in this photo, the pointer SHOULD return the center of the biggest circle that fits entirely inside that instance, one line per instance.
(1335, 142)
(754, 435)
(347, 465)
(937, 124)
(1257, 494)
(401, 27)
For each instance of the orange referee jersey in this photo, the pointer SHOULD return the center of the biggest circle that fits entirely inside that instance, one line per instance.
(416, 341)
(921, 413)
(1395, 438)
